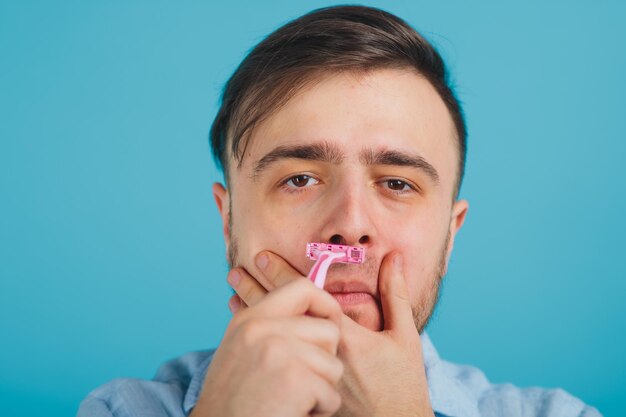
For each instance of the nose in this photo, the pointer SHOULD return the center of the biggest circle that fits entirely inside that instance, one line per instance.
(349, 220)
(339, 239)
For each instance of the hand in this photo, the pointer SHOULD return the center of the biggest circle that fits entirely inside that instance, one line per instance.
(277, 358)
(384, 371)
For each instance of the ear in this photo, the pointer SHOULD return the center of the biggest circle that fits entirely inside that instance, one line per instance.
(459, 211)
(221, 196)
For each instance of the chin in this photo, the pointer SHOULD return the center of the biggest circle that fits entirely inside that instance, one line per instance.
(366, 316)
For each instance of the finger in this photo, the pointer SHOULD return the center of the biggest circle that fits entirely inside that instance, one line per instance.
(394, 295)
(235, 304)
(326, 399)
(297, 298)
(275, 271)
(322, 333)
(317, 360)
(247, 288)
(319, 332)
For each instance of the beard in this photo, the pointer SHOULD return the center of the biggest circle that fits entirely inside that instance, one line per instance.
(423, 311)
(422, 308)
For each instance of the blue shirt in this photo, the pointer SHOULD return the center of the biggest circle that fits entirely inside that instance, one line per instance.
(455, 391)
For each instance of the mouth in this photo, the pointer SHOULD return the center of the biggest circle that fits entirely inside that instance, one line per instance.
(359, 299)
(351, 293)
(352, 298)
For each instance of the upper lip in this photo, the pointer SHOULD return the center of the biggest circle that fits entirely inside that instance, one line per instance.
(348, 287)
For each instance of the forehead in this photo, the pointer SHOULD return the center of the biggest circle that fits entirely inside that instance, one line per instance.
(388, 108)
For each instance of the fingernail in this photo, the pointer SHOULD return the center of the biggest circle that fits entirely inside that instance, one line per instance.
(262, 261)
(234, 304)
(234, 277)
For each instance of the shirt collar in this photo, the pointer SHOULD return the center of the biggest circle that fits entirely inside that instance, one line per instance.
(195, 385)
(447, 395)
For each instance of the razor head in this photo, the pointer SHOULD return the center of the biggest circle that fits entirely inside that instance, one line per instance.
(354, 255)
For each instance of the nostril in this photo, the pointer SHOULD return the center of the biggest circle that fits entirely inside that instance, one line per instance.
(336, 239)
(364, 240)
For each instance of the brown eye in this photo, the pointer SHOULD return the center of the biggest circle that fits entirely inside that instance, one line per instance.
(397, 185)
(300, 181)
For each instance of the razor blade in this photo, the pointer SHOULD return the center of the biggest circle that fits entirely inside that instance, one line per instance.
(353, 254)
(326, 254)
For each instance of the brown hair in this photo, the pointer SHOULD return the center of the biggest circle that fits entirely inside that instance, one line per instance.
(327, 40)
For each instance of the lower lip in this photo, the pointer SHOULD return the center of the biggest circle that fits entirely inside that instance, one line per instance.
(351, 298)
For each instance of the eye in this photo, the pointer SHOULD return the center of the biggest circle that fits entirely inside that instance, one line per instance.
(398, 186)
(300, 181)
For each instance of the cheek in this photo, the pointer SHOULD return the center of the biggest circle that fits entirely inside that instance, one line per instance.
(420, 242)
(264, 228)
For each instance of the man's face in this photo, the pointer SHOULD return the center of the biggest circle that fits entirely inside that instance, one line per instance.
(367, 160)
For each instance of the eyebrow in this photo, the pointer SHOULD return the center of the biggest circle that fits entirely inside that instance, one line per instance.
(330, 153)
(399, 158)
(323, 152)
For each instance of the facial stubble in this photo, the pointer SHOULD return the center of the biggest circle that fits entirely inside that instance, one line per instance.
(423, 308)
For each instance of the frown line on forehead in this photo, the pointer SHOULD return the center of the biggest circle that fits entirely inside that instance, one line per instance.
(328, 152)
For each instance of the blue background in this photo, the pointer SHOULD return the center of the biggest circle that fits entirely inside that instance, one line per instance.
(111, 257)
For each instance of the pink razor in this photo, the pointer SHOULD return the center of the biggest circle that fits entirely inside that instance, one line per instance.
(326, 254)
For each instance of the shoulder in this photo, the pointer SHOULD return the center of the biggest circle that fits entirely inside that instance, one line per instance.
(510, 400)
(164, 395)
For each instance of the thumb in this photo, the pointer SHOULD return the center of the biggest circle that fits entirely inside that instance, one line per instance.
(394, 296)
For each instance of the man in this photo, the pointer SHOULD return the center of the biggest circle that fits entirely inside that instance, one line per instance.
(340, 127)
